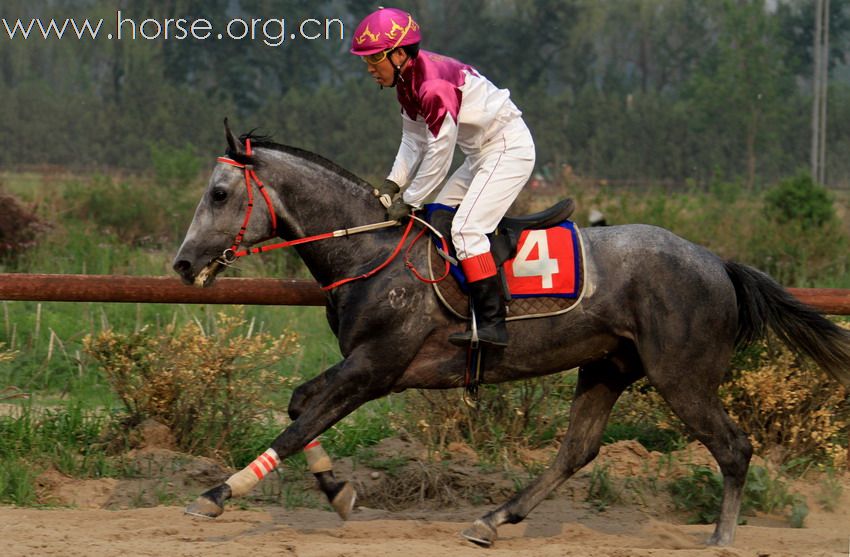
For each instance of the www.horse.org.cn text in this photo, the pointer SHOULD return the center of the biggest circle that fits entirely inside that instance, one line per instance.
(272, 32)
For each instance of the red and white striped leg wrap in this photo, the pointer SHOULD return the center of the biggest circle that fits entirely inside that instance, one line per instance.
(244, 480)
(317, 459)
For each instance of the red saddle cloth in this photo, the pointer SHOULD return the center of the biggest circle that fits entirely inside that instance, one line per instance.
(546, 263)
(545, 277)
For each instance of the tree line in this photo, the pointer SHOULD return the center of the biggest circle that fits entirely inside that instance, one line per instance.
(638, 91)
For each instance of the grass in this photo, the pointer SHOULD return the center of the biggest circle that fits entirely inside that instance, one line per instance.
(65, 439)
(829, 494)
(602, 492)
(701, 492)
(17, 482)
(363, 428)
(647, 434)
(48, 337)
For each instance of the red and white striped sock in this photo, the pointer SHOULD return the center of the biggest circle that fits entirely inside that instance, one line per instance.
(244, 480)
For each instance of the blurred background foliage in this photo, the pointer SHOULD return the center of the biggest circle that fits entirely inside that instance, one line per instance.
(638, 91)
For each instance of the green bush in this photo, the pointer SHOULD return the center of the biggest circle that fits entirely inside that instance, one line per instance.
(17, 482)
(800, 243)
(699, 494)
(800, 200)
(643, 415)
(174, 166)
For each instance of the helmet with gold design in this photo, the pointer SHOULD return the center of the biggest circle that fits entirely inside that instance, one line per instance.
(384, 30)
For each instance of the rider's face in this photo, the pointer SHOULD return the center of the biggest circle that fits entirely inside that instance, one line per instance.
(383, 71)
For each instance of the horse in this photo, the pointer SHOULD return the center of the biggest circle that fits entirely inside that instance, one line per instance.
(655, 306)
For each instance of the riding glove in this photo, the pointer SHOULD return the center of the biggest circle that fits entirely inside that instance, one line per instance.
(386, 192)
(398, 209)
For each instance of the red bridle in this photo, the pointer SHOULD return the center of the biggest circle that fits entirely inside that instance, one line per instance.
(231, 254)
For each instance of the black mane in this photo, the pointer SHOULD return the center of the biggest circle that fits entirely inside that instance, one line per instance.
(266, 142)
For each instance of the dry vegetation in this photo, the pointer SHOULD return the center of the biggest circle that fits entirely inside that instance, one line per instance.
(210, 387)
(19, 227)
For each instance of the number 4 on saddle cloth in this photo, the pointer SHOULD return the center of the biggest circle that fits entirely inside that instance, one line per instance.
(539, 255)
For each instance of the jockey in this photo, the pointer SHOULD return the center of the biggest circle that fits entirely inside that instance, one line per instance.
(445, 103)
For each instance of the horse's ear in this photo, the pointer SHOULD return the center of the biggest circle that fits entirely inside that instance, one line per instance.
(233, 144)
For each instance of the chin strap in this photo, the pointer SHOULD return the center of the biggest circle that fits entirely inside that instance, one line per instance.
(397, 77)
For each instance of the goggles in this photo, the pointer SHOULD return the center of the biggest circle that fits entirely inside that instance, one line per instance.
(377, 58)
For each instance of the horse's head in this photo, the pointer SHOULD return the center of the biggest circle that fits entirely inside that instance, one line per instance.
(231, 213)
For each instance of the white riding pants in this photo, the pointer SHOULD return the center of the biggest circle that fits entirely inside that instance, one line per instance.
(485, 185)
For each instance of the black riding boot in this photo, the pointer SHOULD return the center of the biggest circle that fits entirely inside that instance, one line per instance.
(489, 307)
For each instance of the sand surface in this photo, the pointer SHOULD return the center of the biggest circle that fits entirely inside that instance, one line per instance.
(95, 518)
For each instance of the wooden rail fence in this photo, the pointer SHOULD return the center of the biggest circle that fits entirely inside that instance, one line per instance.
(831, 301)
(244, 291)
(158, 290)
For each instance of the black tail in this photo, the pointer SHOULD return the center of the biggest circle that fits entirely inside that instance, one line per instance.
(764, 304)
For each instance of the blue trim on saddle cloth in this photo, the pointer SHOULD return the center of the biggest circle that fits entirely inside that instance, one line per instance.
(458, 274)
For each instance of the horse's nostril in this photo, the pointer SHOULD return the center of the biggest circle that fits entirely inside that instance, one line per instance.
(182, 266)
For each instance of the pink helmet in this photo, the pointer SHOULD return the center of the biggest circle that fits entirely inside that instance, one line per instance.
(384, 29)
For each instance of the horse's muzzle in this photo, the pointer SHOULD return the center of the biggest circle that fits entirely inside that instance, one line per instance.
(184, 268)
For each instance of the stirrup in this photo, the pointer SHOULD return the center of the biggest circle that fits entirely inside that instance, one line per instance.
(465, 338)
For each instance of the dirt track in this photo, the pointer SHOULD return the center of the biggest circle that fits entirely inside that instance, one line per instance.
(565, 524)
(556, 528)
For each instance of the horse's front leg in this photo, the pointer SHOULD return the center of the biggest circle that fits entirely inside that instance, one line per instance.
(340, 494)
(347, 386)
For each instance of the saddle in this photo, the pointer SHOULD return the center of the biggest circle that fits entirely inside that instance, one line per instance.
(504, 243)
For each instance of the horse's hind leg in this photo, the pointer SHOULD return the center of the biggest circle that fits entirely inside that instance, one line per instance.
(599, 386)
(691, 391)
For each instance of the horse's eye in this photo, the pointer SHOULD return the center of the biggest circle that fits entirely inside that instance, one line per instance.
(219, 194)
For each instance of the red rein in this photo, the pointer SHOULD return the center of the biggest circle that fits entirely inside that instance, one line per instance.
(233, 253)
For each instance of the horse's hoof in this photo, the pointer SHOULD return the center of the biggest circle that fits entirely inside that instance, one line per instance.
(204, 507)
(344, 501)
(719, 541)
(211, 503)
(480, 533)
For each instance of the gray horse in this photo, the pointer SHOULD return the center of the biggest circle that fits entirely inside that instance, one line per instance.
(656, 306)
